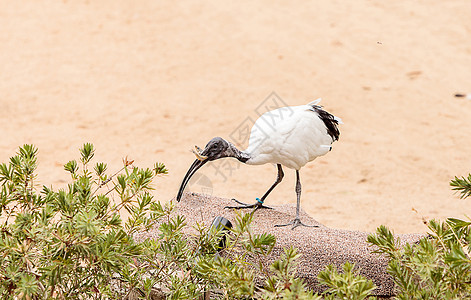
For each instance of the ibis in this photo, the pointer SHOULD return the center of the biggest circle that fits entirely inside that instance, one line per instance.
(288, 136)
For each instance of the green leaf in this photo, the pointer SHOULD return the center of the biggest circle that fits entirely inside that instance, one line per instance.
(159, 168)
(385, 241)
(463, 185)
(71, 166)
(100, 169)
(27, 286)
(87, 152)
(346, 285)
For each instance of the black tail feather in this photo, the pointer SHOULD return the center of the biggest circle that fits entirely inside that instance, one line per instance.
(329, 120)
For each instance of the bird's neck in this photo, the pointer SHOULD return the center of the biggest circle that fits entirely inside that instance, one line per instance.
(240, 155)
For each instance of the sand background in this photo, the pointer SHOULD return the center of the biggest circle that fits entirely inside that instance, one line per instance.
(150, 79)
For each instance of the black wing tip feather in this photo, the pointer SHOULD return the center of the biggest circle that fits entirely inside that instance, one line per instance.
(329, 120)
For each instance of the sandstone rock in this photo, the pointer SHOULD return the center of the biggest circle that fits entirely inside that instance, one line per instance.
(319, 246)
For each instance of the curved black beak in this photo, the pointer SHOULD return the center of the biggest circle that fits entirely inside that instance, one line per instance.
(191, 171)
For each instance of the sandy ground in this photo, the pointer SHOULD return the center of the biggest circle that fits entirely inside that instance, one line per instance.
(150, 79)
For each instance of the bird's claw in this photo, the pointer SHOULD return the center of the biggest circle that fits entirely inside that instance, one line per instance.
(296, 222)
(245, 205)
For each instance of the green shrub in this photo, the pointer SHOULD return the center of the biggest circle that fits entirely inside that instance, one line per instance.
(438, 266)
(74, 243)
(346, 285)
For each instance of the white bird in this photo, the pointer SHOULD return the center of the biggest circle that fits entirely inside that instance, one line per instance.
(289, 136)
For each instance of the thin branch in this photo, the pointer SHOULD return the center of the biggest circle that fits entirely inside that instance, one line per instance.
(108, 180)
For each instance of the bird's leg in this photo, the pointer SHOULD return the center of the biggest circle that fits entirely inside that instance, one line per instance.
(260, 201)
(297, 221)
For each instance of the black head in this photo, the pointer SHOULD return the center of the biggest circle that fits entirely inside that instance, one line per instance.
(215, 149)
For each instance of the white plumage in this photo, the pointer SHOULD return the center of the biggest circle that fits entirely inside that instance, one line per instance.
(289, 136)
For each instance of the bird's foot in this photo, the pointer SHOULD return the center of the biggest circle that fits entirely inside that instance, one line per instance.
(296, 222)
(242, 205)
